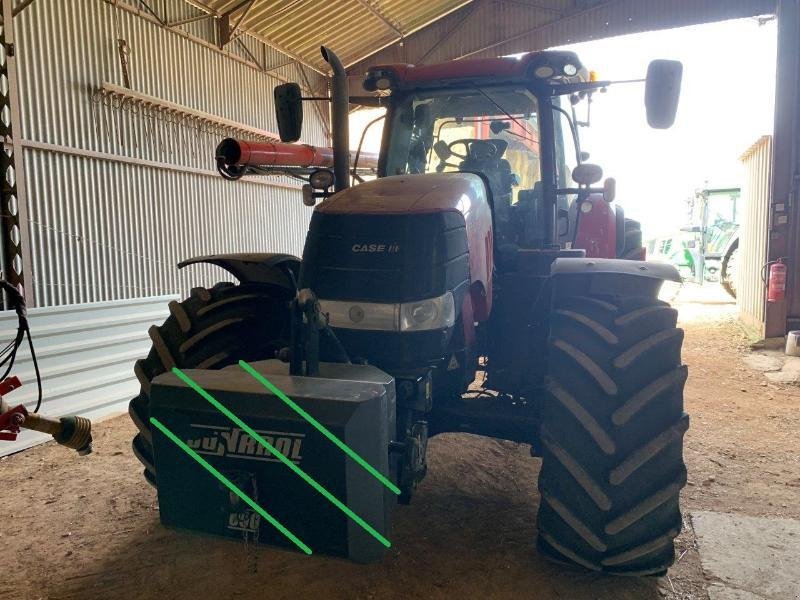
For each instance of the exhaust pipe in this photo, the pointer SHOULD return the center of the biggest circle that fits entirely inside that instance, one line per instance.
(340, 130)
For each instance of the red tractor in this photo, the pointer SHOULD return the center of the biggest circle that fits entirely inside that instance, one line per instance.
(488, 276)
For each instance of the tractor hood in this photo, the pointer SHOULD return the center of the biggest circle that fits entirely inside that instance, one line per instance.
(403, 194)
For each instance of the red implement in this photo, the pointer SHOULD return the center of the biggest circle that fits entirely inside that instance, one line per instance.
(10, 420)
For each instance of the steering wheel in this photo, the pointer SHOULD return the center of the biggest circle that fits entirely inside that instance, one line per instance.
(474, 150)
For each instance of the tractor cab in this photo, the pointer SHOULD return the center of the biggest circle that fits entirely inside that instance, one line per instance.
(512, 121)
(483, 116)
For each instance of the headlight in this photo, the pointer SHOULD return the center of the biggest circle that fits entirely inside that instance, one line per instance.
(435, 313)
(321, 179)
(421, 315)
(361, 315)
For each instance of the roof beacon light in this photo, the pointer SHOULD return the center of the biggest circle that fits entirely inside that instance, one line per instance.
(593, 76)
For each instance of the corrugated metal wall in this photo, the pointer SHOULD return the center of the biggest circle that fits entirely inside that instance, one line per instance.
(106, 221)
(85, 353)
(750, 289)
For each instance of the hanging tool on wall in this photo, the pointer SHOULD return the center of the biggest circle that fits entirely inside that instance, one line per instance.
(72, 432)
(124, 54)
(123, 50)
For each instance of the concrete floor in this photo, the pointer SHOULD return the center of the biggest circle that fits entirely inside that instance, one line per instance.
(775, 365)
(749, 558)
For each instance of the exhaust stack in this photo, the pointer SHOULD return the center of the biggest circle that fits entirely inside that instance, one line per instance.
(339, 122)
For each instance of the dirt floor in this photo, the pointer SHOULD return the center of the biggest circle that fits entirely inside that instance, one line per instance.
(88, 527)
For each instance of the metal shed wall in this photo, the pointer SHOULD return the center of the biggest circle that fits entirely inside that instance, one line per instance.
(117, 197)
(756, 193)
(85, 353)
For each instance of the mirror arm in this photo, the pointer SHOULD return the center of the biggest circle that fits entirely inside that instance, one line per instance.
(575, 139)
(589, 86)
(583, 190)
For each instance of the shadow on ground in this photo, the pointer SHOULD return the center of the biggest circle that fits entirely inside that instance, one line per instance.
(470, 530)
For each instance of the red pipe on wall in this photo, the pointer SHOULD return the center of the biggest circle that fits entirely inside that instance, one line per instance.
(241, 153)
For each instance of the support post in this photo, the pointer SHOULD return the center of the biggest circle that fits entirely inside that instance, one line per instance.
(784, 232)
(14, 239)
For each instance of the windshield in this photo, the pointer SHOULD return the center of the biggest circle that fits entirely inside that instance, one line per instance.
(493, 131)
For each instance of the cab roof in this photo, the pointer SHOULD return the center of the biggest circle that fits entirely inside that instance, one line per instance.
(550, 66)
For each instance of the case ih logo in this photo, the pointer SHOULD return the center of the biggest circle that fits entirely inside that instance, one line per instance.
(232, 441)
(388, 248)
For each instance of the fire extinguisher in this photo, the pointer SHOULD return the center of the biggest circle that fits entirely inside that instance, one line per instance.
(776, 282)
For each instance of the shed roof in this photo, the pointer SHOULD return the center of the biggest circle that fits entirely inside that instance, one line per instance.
(426, 31)
(353, 28)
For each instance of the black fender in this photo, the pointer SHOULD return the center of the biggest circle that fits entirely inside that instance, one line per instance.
(271, 268)
(611, 276)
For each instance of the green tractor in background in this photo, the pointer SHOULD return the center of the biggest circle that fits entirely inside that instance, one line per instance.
(707, 249)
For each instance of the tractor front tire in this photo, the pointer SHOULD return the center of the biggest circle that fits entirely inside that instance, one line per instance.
(211, 329)
(612, 435)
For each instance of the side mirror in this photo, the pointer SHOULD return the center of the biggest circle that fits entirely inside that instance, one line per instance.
(662, 92)
(587, 174)
(498, 126)
(289, 111)
(442, 150)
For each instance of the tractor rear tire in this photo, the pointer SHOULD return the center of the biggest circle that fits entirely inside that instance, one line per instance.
(727, 277)
(612, 435)
(211, 329)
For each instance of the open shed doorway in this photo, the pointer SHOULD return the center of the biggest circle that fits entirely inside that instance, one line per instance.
(688, 185)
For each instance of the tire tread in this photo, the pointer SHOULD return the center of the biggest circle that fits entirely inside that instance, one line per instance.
(612, 435)
(210, 329)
